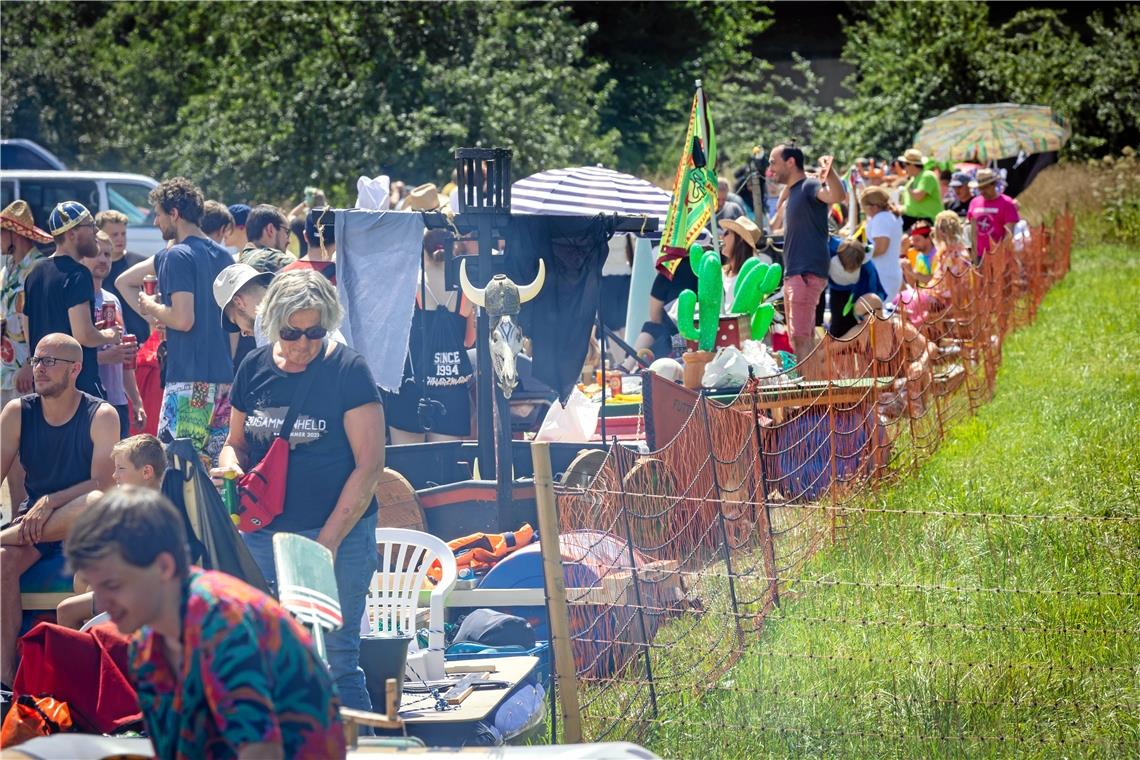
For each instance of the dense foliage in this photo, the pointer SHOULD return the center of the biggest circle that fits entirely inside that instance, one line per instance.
(256, 100)
(914, 60)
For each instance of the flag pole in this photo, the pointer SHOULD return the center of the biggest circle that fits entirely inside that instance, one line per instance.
(704, 106)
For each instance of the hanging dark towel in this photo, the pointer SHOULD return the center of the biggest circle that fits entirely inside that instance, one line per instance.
(559, 320)
(215, 543)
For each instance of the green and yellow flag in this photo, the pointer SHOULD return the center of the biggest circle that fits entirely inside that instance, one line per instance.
(694, 188)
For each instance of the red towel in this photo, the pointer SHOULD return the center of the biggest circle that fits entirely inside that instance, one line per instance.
(148, 374)
(86, 670)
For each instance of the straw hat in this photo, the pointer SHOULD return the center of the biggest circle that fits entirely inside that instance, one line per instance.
(984, 177)
(876, 195)
(423, 197)
(17, 217)
(744, 228)
(914, 156)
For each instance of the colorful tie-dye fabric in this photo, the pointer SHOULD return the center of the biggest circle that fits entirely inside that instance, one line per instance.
(198, 411)
(248, 674)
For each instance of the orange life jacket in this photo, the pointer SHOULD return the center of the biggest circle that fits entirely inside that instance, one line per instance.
(481, 551)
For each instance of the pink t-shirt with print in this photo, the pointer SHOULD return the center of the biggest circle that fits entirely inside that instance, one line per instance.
(989, 219)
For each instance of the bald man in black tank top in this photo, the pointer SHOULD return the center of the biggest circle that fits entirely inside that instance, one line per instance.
(64, 438)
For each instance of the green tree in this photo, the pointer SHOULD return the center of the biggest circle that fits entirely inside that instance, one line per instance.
(654, 52)
(912, 61)
(754, 102)
(256, 100)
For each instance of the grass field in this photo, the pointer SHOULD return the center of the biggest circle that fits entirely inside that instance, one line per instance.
(1004, 637)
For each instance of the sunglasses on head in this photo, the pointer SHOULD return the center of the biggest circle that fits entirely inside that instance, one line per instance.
(316, 332)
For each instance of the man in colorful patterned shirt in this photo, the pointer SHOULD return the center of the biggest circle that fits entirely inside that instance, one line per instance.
(222, 670)
(18, 237)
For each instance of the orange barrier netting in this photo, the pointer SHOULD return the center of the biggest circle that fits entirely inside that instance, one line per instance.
(698, 540)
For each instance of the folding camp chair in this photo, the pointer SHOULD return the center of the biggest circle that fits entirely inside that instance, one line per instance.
(307, 585)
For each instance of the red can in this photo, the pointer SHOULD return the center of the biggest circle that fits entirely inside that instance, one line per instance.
(132, 342)
(613, 379)
(150, 284)
(107, 315)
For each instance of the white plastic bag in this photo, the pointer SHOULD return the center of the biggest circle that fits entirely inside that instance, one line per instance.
(729, 368)
(576, 422)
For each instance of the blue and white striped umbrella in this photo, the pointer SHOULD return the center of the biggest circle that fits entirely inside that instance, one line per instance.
(588, 190)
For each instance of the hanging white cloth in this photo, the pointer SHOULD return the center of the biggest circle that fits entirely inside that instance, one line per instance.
(377, 268)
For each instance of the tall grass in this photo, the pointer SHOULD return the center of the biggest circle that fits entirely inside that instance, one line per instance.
(1104, 194)
(1022, 638)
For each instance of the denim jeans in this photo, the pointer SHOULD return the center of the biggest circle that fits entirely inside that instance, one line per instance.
(355, 563)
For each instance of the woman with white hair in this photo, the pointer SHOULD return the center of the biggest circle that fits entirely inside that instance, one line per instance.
(336, 448)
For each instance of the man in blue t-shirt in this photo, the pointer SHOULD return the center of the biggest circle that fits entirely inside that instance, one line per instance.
(807, 255)
(195, 396)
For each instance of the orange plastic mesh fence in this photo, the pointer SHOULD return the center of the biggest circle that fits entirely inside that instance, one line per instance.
(696, 541)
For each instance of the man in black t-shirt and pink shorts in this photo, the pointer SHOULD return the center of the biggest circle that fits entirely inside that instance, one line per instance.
(806, 253)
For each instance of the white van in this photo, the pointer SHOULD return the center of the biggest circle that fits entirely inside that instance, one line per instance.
(98, 191)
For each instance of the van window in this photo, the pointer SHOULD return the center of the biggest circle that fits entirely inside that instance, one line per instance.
(42, 195)
(131, 199)
(7, 193)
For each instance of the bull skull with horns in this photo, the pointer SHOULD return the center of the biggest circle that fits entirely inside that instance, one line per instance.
(503, 299)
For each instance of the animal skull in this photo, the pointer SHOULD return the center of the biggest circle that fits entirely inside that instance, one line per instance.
(503, 299)
(506, 341)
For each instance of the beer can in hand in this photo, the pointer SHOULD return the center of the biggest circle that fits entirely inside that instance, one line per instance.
(150, 284)
(107, 314)
(130, 341)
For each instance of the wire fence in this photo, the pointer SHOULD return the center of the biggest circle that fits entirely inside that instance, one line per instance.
(700, 544)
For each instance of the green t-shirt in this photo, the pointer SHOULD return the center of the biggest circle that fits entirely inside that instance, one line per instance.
(928, 207)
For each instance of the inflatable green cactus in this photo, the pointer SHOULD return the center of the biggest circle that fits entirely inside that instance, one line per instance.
(707, 300)
(755, 282)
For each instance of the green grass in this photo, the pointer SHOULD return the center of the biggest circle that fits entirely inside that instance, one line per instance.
(1048, 670)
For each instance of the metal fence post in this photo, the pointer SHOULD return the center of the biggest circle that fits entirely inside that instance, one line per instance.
(623, 507)
(770, 538)
(704, 403)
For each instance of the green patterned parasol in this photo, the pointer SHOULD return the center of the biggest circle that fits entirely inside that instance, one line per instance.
(988, 132)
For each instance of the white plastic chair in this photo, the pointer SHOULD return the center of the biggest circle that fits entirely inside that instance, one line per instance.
(405, 556)
(306, 585)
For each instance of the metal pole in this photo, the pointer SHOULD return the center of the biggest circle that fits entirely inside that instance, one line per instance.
(602, 357)
(624, 507)
(770, 544)
(704, 403)
(485, 380)
(556, 606)
(505, 472)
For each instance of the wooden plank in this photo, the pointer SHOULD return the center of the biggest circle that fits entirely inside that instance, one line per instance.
(463, 689)
(44, 601)
(455, 668)
(557, 612)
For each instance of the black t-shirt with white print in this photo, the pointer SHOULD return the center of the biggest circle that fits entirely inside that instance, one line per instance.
(320, 458)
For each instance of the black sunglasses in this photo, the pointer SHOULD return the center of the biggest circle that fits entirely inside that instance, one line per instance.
(291, 334)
